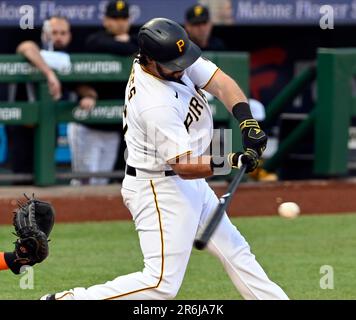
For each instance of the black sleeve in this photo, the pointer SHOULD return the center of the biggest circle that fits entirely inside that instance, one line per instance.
(100, 43)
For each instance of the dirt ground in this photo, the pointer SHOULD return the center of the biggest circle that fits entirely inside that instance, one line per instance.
(76, 204)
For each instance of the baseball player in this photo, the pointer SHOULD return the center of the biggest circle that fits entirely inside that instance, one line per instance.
(168, 125)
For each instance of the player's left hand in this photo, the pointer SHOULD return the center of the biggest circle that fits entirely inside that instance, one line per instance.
(253, 137)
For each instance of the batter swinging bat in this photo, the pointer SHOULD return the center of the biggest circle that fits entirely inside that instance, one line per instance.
(203, 237)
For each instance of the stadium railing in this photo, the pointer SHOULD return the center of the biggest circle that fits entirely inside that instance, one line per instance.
(330, 118)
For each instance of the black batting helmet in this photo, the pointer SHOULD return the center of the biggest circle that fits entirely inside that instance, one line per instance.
(166, 42)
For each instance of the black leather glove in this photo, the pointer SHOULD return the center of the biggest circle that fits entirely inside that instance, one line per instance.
(33, 222)
(249, 158)
(253, 137)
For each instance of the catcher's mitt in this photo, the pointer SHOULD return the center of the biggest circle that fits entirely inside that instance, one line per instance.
(33, 222)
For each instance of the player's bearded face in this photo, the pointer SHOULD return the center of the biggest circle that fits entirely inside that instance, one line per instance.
(169, 74)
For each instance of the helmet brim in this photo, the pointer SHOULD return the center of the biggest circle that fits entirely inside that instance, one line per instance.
(191, 54)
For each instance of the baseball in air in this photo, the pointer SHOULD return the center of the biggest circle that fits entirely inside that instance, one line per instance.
(289, 210)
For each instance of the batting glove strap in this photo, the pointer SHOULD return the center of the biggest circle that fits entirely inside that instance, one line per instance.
(249, 123)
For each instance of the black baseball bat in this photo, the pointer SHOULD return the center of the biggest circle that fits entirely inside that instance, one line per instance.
(203, 237)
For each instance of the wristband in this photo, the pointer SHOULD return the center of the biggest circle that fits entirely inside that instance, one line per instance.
(242, 112)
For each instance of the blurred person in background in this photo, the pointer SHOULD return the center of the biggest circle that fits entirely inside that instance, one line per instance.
(96, 147)
(115, 38)
(55, 38)
(50, 55)
(221, 11)
(199, 27)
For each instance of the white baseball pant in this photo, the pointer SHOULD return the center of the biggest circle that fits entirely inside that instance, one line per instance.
(168, 212)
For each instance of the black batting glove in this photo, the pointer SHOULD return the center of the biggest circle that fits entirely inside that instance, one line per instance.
(248, 158)
(253, 137)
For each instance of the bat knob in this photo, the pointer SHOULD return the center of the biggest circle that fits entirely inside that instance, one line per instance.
(199, 244)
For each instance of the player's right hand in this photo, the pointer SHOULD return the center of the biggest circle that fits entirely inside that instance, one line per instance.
(249, 158)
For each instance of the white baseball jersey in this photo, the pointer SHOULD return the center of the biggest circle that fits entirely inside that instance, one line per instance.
(164, 119)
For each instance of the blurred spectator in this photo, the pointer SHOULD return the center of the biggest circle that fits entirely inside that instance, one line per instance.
(115, 39)
(96, 147)
(199, 28)
(56, 36)
(221, 11)
(55, 39)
